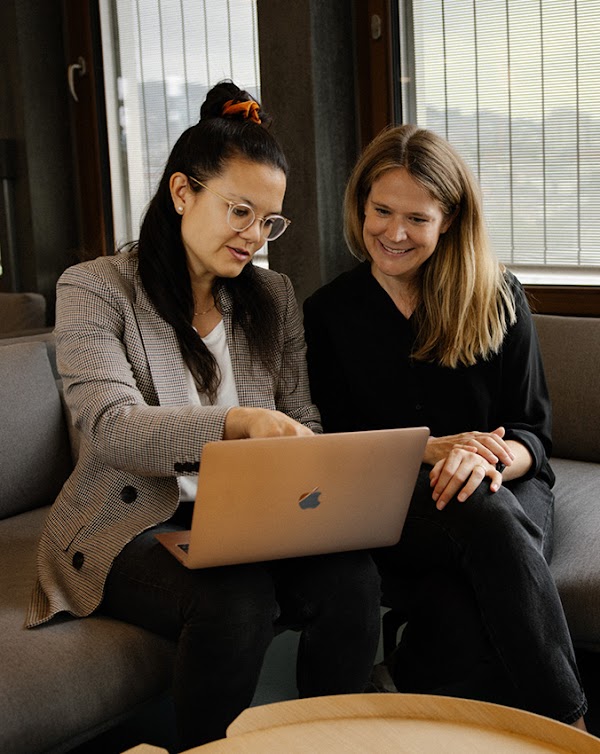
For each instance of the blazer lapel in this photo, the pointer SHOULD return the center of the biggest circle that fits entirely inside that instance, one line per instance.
(163, 354)
(168, 369)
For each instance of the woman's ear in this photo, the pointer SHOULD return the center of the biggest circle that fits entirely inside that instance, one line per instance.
(449, 219)
(180, 191)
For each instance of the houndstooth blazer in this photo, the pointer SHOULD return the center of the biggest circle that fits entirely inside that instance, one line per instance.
(125, 385)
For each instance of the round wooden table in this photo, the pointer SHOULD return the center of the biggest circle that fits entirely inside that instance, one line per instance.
(399, 723)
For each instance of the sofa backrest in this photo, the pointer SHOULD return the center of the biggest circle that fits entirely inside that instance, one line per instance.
(35, 456)
(571, 352)
(22, 311)
(46, 336)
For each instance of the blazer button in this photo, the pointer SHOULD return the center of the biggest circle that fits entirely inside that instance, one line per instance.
(78, 559)
(128, 494)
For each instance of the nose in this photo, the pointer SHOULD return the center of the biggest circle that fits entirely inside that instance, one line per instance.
(253, 232)
(396, 229)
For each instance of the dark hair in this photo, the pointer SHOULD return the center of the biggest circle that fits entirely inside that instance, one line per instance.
(203, 151)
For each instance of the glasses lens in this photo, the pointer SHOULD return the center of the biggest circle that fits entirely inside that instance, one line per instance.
(240, 217)
(274, 227)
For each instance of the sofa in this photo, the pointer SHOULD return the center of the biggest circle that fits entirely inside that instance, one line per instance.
(66, 682)
(571, 353)
(22, 312)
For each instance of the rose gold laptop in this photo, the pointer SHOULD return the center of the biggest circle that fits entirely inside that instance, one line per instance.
(265, 499)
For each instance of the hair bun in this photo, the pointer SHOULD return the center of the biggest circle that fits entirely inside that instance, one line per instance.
(226, 100)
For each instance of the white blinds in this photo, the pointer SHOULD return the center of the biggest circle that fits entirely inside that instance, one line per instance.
(514, 85)
(160, 59)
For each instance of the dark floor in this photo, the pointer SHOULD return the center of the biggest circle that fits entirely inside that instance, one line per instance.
(277, 683)
(589, 667)
(156, 725)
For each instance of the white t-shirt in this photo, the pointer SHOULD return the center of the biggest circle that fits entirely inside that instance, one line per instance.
(216, 342)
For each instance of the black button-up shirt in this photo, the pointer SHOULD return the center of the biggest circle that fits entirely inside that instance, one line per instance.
(362, 376)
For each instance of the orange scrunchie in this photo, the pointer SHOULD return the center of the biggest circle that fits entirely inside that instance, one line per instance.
(249, 108)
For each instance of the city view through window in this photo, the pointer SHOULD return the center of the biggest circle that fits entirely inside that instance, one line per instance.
(160, 59)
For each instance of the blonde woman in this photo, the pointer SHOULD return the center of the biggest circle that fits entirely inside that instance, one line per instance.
(431, 330)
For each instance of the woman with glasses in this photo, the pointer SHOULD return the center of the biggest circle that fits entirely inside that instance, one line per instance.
(178, 341)
(431, 330)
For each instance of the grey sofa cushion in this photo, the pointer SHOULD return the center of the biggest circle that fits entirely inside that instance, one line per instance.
(571, 347)
(36, 456)
(22, 311)
(69, 676)
(576, 561)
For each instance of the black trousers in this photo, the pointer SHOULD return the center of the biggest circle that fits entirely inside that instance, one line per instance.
(223, 620)
(484, 617)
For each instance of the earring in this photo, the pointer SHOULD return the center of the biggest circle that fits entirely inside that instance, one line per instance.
(179, 209)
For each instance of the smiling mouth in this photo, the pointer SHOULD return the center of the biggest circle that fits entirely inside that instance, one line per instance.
(396, 252)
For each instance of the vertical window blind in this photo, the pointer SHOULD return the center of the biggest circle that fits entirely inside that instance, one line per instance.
(513, 85)
(160, 59)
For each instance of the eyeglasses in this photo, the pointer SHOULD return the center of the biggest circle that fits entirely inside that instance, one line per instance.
(240, 217)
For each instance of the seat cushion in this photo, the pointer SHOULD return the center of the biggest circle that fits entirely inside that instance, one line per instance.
(67, 679)
(576, 561)
(36, 454)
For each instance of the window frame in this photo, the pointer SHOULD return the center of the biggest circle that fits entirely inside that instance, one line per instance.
(379, 79)
(90, 141)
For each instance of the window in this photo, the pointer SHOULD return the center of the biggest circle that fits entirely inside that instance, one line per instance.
(160, 59)
(513, 85)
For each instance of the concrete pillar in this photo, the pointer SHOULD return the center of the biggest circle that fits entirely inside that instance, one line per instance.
(308, 85)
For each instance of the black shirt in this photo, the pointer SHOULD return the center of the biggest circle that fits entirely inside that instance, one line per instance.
(362, 376)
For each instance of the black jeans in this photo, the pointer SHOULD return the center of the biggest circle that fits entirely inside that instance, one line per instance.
(484, 617)
(224, 619)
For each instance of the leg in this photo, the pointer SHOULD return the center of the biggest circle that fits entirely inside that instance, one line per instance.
(336, 598)
(444, 648)
(493, 550)
(221, 618)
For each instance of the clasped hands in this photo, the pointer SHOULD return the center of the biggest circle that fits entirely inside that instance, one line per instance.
(461, 462)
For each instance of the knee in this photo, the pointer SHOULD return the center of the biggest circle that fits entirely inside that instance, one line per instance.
(351, 577)
(495, 518)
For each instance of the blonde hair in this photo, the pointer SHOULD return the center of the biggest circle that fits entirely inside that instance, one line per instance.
(465, 303)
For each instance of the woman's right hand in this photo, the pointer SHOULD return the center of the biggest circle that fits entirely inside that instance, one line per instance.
(489, 445)
(459, 475)
(246, 421)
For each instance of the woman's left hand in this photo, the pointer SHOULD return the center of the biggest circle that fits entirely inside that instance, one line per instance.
(459, 474)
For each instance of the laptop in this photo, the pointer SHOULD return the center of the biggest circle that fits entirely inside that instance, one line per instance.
(271, 498)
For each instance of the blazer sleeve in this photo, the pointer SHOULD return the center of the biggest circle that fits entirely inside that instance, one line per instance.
(107, 383)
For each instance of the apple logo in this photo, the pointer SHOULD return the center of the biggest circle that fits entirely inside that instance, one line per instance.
(310, 499)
